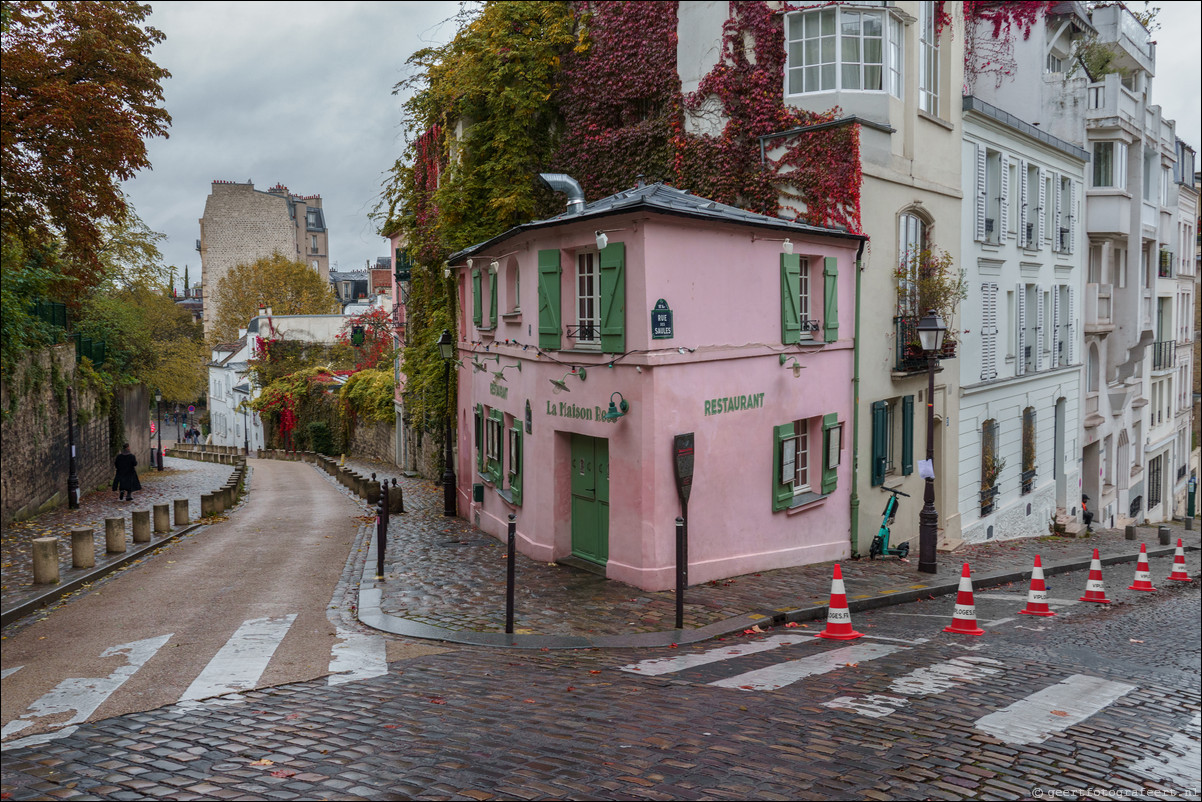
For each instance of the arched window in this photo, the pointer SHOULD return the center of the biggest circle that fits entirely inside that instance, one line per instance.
(912, 240)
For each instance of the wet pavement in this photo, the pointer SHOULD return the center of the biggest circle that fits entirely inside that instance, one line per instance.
(180, 478)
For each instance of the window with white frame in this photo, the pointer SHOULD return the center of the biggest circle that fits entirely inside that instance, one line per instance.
(911, 241)
(588, 299)
(1110, 165)
(928, 60)
(843, 48)
(803, 300)
(795, 458)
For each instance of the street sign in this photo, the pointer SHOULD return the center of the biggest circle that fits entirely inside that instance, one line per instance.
(682, 451)
(661, 321)
(191, 409)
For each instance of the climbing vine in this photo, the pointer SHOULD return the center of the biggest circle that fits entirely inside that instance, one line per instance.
(990, 29)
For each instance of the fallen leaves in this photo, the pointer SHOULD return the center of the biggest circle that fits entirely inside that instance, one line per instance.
(263, 762)
(1059, 713)
(437, 700)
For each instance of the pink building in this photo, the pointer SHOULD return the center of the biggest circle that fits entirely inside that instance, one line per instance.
(590, 341)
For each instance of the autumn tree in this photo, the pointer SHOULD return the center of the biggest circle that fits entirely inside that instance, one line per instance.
(288, 287)
(79, 96)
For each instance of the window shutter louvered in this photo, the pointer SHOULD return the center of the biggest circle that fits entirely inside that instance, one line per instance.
(880, 444)
(1003, 209)
(1057, 219)
(548, 299)
(492, 299)
(830, 276)
(1043, 205)
(830, 476)
(1023, 201)
(1039, 329)
(980, 195)
(496, 421)
(477, 299)
(907, 435)
(1056, 327)
(790, 298)
(782, 493)
(989, 330)
(613, 298)
(480, 438)
(515, 463)
(1020, 357)
(1072, 217)
(1069, 331)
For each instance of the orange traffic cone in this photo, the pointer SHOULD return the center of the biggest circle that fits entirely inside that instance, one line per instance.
(838, 617)
(964, 620)
(1179, 573)
(1037, 597)
(1095, 591)
(1143, 577)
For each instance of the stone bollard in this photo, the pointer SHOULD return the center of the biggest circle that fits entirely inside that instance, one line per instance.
(181, 511)
(373, 493)
(45, 561)
(83, 548)
(141, 526)
(1129, 532)
(114, 535)
(231, 496)
(207, 507)
(1189, 523)
(218, 501)
(1164, 533)
(162, 518)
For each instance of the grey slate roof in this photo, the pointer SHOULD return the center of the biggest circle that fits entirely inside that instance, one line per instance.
(660, 197)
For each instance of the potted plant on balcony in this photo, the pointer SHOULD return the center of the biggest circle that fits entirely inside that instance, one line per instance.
(928, 279)
(991, 469)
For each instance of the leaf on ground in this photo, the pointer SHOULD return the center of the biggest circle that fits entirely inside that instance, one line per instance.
(263, 762)
(528, 701)
(1059, 713)
(594, 671)
(438, 700)
(283, 773)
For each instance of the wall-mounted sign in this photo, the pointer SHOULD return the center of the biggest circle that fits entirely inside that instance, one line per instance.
(734, 403)
(682, 462)
(499, 390)
(566, 409)
(661, 321)
(529, 418)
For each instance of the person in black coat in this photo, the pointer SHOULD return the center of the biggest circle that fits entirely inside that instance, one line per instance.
(126, 480)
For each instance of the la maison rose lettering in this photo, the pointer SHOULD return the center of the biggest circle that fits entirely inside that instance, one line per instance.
(568, 410)
(734, 403)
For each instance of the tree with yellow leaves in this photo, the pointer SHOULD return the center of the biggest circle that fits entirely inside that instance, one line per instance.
(288, 287)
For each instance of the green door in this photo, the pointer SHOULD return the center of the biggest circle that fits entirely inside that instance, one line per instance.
(590, 498)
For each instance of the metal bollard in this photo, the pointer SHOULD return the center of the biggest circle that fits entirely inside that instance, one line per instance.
(162, 518)
(681, 570)
(381, 533)
(1163, 532)
(45, 561)
(509, 570)
(141, 526)
(114, 535)
(1129, 532)
(181, 511)
(83, 548)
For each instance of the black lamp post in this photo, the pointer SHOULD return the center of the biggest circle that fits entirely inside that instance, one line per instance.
(158, 413)
(245, 430)
(72, 474)
(930, 333)
(446, 348)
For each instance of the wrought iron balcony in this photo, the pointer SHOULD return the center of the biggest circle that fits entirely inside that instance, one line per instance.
(1166, 264)
(910, 358)
(1164, 354)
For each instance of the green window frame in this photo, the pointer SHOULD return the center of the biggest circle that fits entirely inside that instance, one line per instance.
(492, 298)
(515, 462)
(613, 298)
(493, 426)
(830, 276)
(790, 298)
(880, 441)
(477, 299)
(907, 435)
(782, 491)
(480, 438)
(832, 448)
(549, 288)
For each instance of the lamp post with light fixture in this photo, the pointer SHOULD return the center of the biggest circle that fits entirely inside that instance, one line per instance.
(446, 349)
(930, 333)
(158, 413)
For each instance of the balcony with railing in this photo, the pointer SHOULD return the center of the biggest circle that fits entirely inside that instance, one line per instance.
(910, 358)
(1167, 261)
(1109, 98)
(1164, 354)
(1099, 315)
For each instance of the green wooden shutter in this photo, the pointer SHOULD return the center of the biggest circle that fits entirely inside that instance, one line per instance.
(492, 299)
(496, 422)
(480, 438)
(548, 299)
(830, 276)
(782, 494)
(613, 298)
(477, 300)
(515, 463)
(830, 474)
(790, 298)
(880, 444)
(907, 435)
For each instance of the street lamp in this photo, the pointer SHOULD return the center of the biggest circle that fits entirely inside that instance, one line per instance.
(158, 413)
(930, 333)
(245, 430)
(446, 349)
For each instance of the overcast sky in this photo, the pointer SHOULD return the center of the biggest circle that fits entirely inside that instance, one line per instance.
(301, 94)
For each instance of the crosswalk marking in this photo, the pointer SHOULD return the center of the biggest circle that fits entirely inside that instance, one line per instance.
(1017, 599)
(357, 656)
(668, 665)
(84, 695)
(1180, 760)
(779, 675)
(925, 681)
(242, 660)
(1056, 708)
(10, 671)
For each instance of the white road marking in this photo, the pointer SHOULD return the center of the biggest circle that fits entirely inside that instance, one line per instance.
(357, 656)
(920, 682)
(84, 695)
(779, 675)
(995, 622)
(1056, 708)
(8, 672)
(1022, 599)
(242, 660)
(1180, 760)
(668, 665)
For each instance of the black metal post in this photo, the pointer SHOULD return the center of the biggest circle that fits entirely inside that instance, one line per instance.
(682, 569)
(448, 476)
(509, 579)
(179, 427)
(158, 412)
(928, 519)
(72, 475)
(245, 432)
(381, 530)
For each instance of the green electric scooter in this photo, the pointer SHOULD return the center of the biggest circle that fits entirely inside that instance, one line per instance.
(880, 543)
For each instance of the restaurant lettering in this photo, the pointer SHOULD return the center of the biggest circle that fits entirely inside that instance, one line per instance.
(734, 403)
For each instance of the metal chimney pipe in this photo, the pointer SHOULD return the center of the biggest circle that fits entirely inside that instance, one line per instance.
(559, 182)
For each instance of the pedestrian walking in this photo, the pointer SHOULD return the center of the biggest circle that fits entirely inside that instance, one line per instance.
(125, 482)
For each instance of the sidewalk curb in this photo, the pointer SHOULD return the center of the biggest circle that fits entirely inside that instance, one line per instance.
(369, 612)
